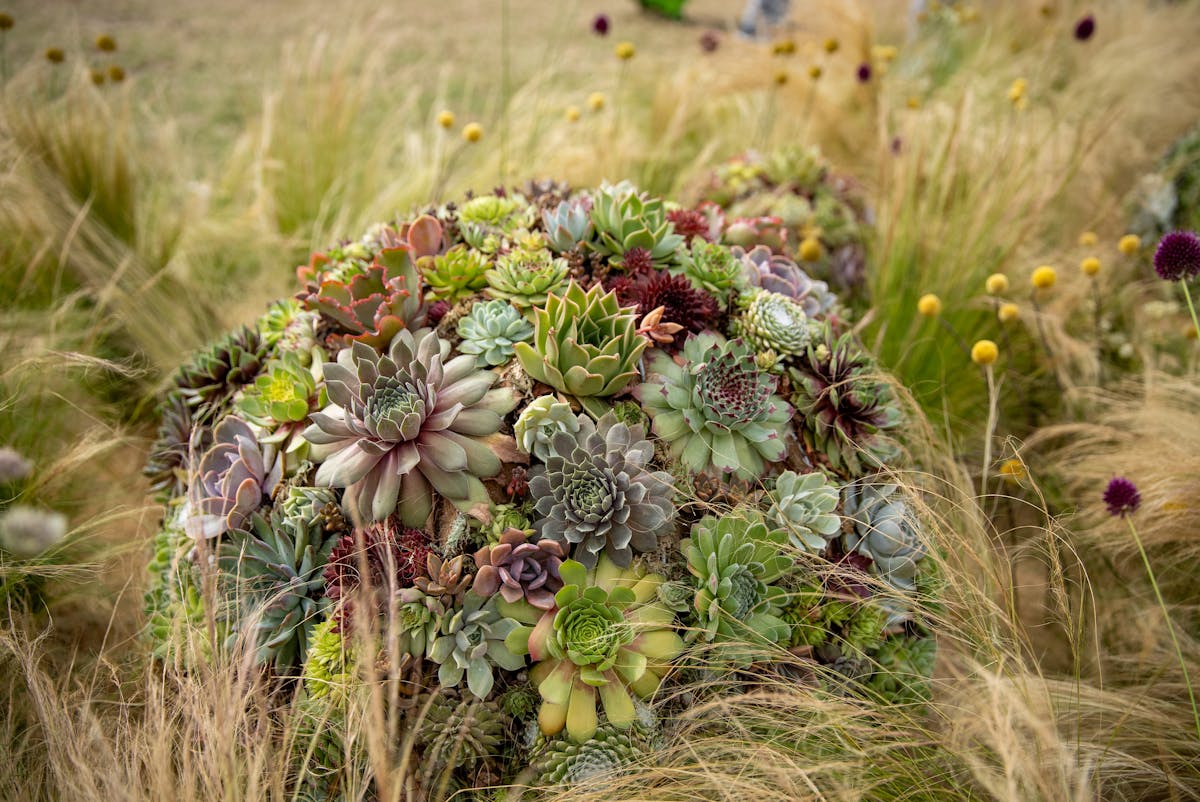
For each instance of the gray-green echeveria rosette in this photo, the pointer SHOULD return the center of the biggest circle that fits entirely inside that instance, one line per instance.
(806, 506)
(408, 424)
(596, 495)
(230, 480)
(471, 642)
(543, 418)
(886, 531)
(489, 331)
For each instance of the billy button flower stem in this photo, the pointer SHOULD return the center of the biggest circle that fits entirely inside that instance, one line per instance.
(1123, 499)
(996, 285)
(929, 305)
(1177, 258)
(1091, 268)
(471, 133)
(1044, 278)
(985, 353)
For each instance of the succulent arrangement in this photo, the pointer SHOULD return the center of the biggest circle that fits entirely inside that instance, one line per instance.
(542, 458)
(793, 203)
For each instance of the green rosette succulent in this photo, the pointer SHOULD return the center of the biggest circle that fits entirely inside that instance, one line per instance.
(284, 393)
(543, 418)
(329, 664)
(417, 618)
(608, 752)
(174, 607)
(454, 275)
(717, 410)
(905, 666)
(712, 268)
(595, 495)
(504, 213)
(848, 409)
(458, 732)
(470, 642)
(584, 343)
(407, 424)
(568, 225)
(289, 328)
(210, 379)
(736, 560)
(608, 637)
(885, 530)
(625, 220)
(775, 323)
(271, 572)
(805, 505)
(525, 278)
(491, 330)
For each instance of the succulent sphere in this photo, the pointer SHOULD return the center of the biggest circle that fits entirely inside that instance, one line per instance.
(984, 352)
(1129, 244)
(1090, 266)
(929, 305)
(1008, 312)
(472, 132)
(997, 283)
(1044, 277)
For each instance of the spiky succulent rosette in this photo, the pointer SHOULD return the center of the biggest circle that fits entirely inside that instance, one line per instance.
(230, 479)
(368, 568)
(683, 304)
(717, 410)
(406, 425)
(584, 343)
(596, 495)
(848, 408)
(625, 219)
(607, 636)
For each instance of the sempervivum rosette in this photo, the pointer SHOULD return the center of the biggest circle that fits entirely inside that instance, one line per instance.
(403, 426)
(522, 458)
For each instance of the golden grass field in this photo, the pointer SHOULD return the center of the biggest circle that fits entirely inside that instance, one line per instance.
(140, 219)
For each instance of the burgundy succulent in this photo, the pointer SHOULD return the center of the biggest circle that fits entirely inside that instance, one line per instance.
(371, 566)
(635, 260)
(682, 303)
(518, 569)
(370, 305)
(692, 223)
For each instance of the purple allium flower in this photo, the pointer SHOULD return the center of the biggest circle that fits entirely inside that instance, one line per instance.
(1178, 256)
(13, 466)
(864, 72)
(600, 25)
(1122, 497)
(709, 41)
(1085, 28)
(897, 145)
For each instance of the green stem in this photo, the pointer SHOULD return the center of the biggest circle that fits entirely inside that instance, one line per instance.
(1099, 332)
(1191, 307)
(1162, 605)
(990, 431)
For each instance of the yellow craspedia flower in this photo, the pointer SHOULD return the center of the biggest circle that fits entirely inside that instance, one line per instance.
(781, 78)
(472, 132)
(1129, 244)
(55, 55)
(831, 45)
(913, 102)
(1088, 239)
(116, 73)
(929, 305)
(625, 51)
(814, 71)
(810, 249)
(1090, 266)
(784, 47)
(445, 119)
(1008, 312)
(1044, 277)
(984, 352)
(572, 114)
(996, 284)
(106, 43)
(97, 76)
(1016, 92)
(884, 53)
(1013, 470)
(6, 21)
(596, 101)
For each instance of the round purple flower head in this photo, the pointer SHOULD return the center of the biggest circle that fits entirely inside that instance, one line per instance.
(1085, 28)
(600, 25)
(709, 41)
(864, 72)
(1178, 256)
(1122, 497)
